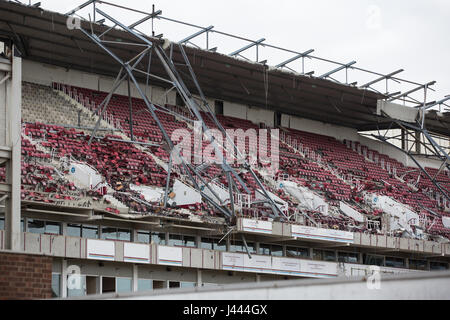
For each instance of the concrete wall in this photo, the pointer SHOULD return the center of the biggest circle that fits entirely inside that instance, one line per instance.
(25, 276)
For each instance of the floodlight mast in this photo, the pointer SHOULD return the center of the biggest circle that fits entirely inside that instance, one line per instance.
(194, 174)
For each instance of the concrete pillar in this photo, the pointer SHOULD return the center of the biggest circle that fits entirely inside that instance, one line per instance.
(198, 242)
(13, 141)
(257, 248)
(228, 243)
(284, 251)
(167, 238)
(134, 287)
(63, 287)
(258, 278)
(199, 278)
(134, 235)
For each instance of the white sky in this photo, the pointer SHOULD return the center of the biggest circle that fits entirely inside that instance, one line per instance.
(381, 36)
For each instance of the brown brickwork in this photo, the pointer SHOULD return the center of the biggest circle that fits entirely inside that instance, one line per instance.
(25, 276)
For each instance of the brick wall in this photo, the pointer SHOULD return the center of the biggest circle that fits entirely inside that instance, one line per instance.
(25, 276)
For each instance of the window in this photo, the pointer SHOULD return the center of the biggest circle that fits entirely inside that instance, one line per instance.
(238, 246)
(2, 223)
(175, 240)
(43, 227)
(349, 257)
(90, 232)
(178, 240)
(417, 264)
(325, 255)
(123, 285)
(395, 262)
(438, 265)
(76, 289)
(111, 233)
(145, 285)
(143, 237)
(218, 106)
(206, 244)
(276, 250)
(148, 237)
(56, 282)
(296, 252)
(73, 230)
(158, 238)
(187, 284)
(374, 260)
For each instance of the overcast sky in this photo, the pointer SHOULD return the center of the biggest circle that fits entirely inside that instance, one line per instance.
(381, 36)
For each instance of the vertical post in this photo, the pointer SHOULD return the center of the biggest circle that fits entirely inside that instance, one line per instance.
(13, 141)
(63, 285)
(135, 278)
(131, 110)
(199, 278)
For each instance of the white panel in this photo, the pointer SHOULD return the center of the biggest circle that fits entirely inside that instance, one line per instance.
(184, 194)
(233, 261)
(257, 116)
(170, 255)
(261, 264)
(321, 234)
(258, 226)
(135, 252)
(286, 265)
(100, 249)
(350, 212)
(319, 269)
(446, 222)
(234, 110)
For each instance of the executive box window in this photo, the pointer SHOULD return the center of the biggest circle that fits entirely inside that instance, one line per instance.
(178, 240)
(149, 237)
(145, 285)
(56, 283)
(123, 285)
(238, 246)
(76, 288)
(43, 227)
(83, 231)
(418, 264)
(395, 262)
(2, 223)
(271, 249)
(296, 252)
(325, 255)
(374, 260)
(438, 265)
(213, 244)
(349, 257)
(112, 233)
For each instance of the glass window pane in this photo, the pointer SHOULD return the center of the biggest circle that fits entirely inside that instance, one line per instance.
(175, 240)
(277, 251)
(222, 246)
(52, 228)
(2, 224)
(73, 230)
(236, 246)
(189, 241)
(158, 238)
(395, 262)
(143, 237)
(438, 266)
(145, 285)
(90, 232)
(329, 255)
(264, 249)
(22, 225)
(374, 260)
(187, 285)
(56, 278)
(124, 235)
(207, 244)
(417, 264)
(76, 288)
(36, 226)
(123, 285)
(109, 233)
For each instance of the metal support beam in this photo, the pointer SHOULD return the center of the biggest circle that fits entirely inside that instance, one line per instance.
(345, 66)
(301, 55)
(150, 16)
(255, 43)
(388, 76)
(412, 91)
(195, 35)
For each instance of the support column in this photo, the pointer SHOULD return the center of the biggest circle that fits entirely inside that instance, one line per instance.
(63, 285)
(135, 278)
(13, 141)
(199, 278)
